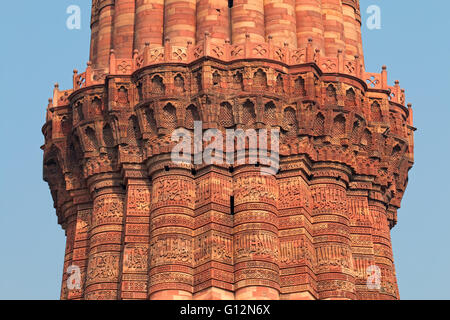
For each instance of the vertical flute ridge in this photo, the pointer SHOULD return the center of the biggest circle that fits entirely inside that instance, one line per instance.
(149, 23)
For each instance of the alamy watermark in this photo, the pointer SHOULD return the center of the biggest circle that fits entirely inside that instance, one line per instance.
(373, 277)
(242, 147)
(374, 20)
(73, 22)
(74, 279)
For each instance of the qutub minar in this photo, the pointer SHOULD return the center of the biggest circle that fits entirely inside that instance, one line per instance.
(140, 226)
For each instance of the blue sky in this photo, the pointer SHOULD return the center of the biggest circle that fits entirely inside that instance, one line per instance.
(38, 50)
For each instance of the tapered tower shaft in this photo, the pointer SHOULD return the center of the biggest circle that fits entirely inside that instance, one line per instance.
(141, 225)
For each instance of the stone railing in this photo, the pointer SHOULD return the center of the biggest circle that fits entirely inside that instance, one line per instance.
(155, 55)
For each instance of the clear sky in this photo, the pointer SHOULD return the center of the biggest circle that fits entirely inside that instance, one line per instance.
(37, 50)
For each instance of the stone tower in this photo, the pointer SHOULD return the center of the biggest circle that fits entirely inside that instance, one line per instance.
(141, 226)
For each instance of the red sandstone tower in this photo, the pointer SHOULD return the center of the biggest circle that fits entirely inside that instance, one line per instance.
(140, 226)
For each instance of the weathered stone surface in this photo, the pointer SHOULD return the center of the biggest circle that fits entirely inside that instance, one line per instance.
(140, 226)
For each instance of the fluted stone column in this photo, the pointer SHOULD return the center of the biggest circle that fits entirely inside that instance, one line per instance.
(352, 29)
(309, 23)
(140, 226)
(247, 17)
(297, 252)
(332, 241)
(105, 237)
(149, 23)
(136, 239)
(95, 27)
(105, 33)
(123, 35)
(280, 22)
(361, 224)
(213, 18)
(384, 258)
(69, 212)
(213, 236)
(334, 39)
(255, 234)
(171, 273)
(180, 21)
(83, 205)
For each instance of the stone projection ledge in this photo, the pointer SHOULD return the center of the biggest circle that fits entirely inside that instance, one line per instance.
(141, 226)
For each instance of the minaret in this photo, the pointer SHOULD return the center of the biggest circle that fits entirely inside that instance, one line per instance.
(141, 226)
